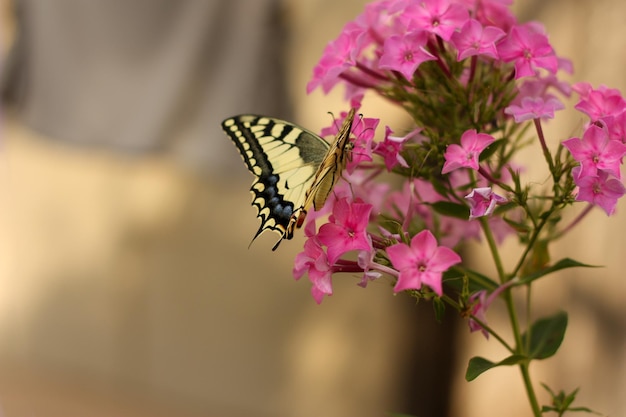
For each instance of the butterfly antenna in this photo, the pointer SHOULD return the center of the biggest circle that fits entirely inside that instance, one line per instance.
(334, 119)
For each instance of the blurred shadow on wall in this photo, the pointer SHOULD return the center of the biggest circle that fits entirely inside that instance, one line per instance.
(126, 220)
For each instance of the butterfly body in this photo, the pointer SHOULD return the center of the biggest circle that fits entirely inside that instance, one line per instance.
(294, 168)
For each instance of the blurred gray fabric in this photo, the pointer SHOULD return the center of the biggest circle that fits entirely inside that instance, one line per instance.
(147, 75)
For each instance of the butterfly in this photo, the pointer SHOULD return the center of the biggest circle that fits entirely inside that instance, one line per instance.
(294, 168)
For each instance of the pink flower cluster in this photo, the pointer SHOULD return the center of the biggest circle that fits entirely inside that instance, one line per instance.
(361, 200)
(420, 262)
(602, 147)
(490, 74)
(393, 38)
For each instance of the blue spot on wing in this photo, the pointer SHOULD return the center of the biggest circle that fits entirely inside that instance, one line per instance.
(280, 210)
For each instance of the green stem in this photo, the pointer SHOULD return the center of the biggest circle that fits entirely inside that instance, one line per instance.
(484, 325)
(530, 391)
(528, 316)
(491, 241)
(521, 350)
(531, 243)
(544, 147)
(475, 277)
(510, 305)
(493, 333)
(493, 248)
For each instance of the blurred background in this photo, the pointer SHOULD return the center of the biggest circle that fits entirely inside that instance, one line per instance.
(126, 284)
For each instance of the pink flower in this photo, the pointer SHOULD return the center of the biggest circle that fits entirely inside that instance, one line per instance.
(529, 49)
(534, 108)
(616, 125)
(538, 87)
(335, 59)
(360, 186)
(404, 53)
(466, 155)
(473, 39)
(365, 260)
(599, 103)
(363, 129)
(600, 189)
(314, 261)
(333, 129)
(406, 204)
(423, 262)
(483, 201)
(596, 151)
(452, 230)
(436, 16)
(346, 230)
(493, 12)
(390, 149)
(482, 303)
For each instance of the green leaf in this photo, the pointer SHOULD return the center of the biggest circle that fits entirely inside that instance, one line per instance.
(491, 149)
(440, 308)
(585, 410)
(546, 336)
(518, 226)
(503, 208)
(538, 258)
(441, 189)
(453, 278)
(561, 403)
(478, 365)
(447, 208)
(562, 264)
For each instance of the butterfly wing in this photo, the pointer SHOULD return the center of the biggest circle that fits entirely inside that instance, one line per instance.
(285, 159)
(327, 174)
(331, 168)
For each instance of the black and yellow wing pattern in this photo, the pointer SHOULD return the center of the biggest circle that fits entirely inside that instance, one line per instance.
(294, 168)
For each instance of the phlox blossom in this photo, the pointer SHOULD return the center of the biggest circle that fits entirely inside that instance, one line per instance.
(474, 39)
(439, 17)
(596, 151)
(534, 108)
(404, 53)
(390, 149)
(452, 230)
(360, 185)
(466, 155)
(616, 125)
(363, 130)
(346, 230)
(313, 261)
(529, 49)
(601, 189)
(421, 262)
(481, 302)
(492, 12)
(600, 102)
(335, 59)
(483, 201)
(365, 260)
